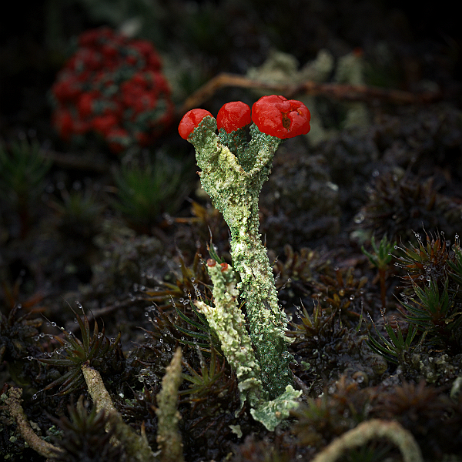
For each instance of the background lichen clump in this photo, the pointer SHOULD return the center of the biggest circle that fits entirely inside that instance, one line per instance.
(112, 86)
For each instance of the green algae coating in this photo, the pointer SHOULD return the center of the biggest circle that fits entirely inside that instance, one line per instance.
(234, 190)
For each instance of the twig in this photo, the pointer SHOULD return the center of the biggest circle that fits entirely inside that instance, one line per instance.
(342, 92)
(369, 430)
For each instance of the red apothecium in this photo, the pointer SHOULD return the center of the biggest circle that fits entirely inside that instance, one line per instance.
(233, 115)
(190, 121)
(280, 117)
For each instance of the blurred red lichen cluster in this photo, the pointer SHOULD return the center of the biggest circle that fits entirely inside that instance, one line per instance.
(112, 86)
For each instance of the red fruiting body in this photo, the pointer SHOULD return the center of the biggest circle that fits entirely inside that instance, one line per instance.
(112, 85)
(233, 116)
(224, 267)
(190, 121)
(280, 117)
(211, 262)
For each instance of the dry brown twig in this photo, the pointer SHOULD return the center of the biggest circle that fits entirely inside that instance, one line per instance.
(342, 92)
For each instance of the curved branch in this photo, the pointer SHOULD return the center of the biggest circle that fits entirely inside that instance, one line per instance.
(33, 440)
(344, 92)
(367, 431)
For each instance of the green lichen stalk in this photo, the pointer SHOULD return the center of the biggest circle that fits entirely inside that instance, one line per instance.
(226, 319)
(234, 190)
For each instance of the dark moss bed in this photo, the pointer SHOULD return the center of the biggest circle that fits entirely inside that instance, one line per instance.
(361, 220)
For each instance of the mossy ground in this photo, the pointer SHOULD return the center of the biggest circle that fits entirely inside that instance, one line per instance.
(398, 173)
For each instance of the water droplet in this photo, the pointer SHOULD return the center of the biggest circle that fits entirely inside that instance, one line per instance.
(359, 218)
(34, 396)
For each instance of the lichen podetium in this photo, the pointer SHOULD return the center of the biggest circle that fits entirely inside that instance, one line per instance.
(232, 173)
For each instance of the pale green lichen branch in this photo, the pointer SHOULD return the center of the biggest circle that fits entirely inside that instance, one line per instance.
(370, 430)
(136, 446)
(234, 190)
(13, 403)
(226, 319)
(168, 435)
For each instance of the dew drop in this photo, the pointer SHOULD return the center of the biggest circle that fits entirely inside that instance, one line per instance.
(359, 218)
